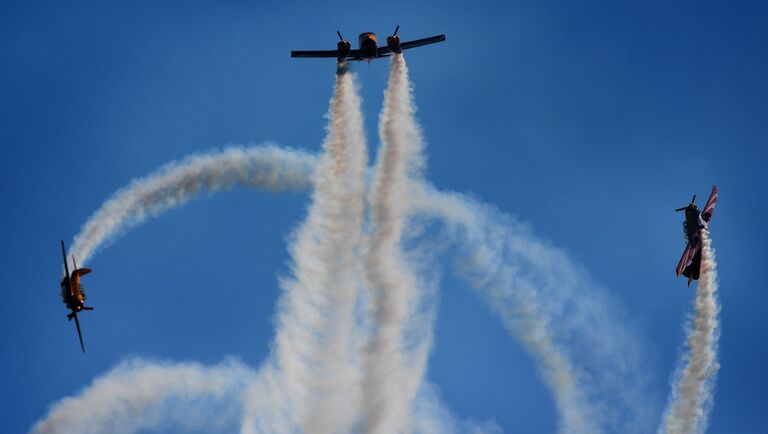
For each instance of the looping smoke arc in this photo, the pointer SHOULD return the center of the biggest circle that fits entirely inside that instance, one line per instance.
(354, 327)
(265, 167)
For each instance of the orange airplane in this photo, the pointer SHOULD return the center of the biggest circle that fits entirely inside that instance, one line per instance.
(72, 291)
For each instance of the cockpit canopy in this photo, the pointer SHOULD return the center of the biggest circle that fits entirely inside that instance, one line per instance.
(366, 36)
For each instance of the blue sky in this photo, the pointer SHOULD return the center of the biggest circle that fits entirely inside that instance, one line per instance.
(591, 122)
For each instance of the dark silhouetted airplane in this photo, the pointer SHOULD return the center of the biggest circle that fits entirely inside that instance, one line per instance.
(368, 47)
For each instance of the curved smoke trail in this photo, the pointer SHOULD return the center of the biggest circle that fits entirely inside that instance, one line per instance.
(314, 346)
(393, 373)
(590, 362)
(499, 256)
(691, 397)
(139, 395)
(266, 167)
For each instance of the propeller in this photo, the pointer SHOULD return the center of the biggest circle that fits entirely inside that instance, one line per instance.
(340, 37)
(685, 207)
(396, 29)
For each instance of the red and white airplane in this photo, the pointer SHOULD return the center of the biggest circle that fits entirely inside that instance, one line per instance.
(695, 220)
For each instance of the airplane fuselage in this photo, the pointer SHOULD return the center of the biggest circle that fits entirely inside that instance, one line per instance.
(74, 297)
(368, 45)
(692, 223)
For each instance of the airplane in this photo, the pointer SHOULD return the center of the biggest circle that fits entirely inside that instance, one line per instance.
(368, 47)
(695, 220)
(72, 292)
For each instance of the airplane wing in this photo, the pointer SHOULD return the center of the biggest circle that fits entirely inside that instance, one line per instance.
(321, 53)
(353, 54)
(80, 335)
(709, 208)
(688, 253)
(420, 42)
(384, 51)
(66, 266)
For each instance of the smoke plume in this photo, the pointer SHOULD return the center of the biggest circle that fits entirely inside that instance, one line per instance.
(392, 376)
(691, 397)
(314, 346)
(553, 308)
(546, 302)
(139, 395)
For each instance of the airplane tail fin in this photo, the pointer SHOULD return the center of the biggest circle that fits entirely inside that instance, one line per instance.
(81, 271)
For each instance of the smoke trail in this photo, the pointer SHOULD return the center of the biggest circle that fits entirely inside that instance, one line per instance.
(431, 416)
(499, 257)
(392, 376)
(266, 167)
(477, 228)
(138, 395)
(691, 397)
(314, 346)
(588, 360)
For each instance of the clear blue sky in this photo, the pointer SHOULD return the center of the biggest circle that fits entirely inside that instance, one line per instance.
(591, 121)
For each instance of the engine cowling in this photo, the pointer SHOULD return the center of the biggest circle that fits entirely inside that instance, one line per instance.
(344, 48)
(393, 43)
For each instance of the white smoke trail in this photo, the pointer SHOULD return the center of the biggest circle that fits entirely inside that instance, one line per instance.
(139, 395)
(393, 374)
(691, 397)
(265, 167)
(314, 346)
(588, 360)
(481, 232)
(505, 262)
(431, 416)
